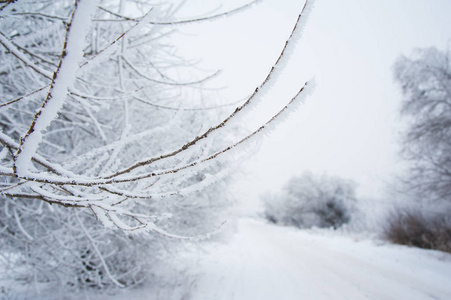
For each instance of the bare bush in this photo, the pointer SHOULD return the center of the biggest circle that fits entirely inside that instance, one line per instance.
(413, 228)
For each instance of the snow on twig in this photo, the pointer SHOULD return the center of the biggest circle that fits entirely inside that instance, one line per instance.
(267, 127)
(106, 52)
(35, 92)
(19, 224)
(207, 18)
(11, 47)
(122, 18)
(54, 168)
(63, 78)
(99, 254)
(242, 111)
(114, 193)
(138, 72)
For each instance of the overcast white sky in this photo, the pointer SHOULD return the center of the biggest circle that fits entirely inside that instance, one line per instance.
(350, 126)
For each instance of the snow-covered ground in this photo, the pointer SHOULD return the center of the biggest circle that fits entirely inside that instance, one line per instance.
(263, 261)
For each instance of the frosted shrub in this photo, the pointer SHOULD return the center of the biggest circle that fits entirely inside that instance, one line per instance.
(307, 201)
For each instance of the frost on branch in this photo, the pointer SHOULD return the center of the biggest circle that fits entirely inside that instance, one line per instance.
(97, 134)
(95, 126)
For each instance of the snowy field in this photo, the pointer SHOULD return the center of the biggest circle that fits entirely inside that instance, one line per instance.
(263, 261)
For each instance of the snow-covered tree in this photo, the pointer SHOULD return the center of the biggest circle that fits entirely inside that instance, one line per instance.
(96, 126)
(308, 201)
(426, 83)
(70, 93)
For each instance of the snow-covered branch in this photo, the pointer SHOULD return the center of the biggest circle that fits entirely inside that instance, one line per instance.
(110, 134)
(63, 78)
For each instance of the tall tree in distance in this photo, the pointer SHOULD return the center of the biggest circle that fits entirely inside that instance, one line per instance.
(426, 84)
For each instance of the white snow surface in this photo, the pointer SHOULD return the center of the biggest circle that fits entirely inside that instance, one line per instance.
(264, 261)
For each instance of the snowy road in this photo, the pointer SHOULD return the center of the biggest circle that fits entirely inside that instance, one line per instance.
(263, 261)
